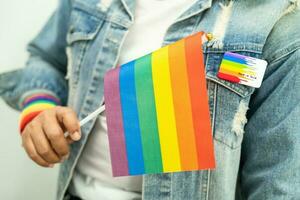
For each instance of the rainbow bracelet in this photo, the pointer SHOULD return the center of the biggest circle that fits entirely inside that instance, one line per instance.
(34, 105)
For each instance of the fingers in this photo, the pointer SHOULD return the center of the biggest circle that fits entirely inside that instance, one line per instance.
(42, 145)
(55, 134)
(68, 118)
(31, 151)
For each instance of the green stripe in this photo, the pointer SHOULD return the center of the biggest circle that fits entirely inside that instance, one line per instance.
(39, 102)
(147, 115)
(234, 64)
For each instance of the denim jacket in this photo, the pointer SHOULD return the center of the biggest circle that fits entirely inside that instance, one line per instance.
(256, 131)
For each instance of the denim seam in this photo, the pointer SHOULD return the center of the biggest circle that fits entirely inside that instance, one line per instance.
(213, 129)
(228, 145)
(213, 124)
(208, 184)
(237, 47)
(77, 66)
(127, 10)
(115, 20)
(80, 60)
(285, 52)
(214, 106)
(118, 54)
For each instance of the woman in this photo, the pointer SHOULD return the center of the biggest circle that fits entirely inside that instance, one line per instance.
(257, 152)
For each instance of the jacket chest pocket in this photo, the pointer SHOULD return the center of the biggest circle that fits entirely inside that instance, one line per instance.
(228, 101)
(85, 23)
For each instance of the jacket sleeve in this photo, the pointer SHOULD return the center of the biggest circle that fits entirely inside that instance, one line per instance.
(270, 160)
(45, 69)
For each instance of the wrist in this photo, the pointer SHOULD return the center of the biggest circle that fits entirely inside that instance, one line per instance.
(34, 105)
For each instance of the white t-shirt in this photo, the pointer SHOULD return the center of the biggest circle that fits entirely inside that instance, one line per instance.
(92, 178)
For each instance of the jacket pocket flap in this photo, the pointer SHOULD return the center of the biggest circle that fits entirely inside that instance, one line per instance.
(85, 23)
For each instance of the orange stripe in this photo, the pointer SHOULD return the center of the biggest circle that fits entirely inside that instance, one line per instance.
(182, 106)
(28, 118)
(199, 100)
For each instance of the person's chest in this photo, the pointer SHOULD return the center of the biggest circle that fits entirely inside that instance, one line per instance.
(98, 30)
(151, 20)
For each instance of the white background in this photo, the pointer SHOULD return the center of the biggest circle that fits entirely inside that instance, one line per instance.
(20, 178)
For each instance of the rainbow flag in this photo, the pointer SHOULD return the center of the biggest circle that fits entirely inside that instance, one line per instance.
(157, 112)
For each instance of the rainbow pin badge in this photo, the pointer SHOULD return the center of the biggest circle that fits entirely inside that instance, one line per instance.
(242, 69)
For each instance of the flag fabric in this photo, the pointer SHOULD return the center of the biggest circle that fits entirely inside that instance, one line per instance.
(158, 113)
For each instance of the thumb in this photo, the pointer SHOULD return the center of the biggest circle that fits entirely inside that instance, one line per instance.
(68, 118)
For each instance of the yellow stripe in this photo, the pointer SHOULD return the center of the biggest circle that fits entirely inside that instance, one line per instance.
(36, 107)
(165, 110)
(226, 66)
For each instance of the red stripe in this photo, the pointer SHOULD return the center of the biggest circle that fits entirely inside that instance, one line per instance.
(199, 101)
(28, 118)
(228, 77)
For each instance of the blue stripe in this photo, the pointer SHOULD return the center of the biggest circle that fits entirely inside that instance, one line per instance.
(234, 59)
(131, 120)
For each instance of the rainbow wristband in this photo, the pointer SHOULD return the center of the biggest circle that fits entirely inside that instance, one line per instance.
(35, 104)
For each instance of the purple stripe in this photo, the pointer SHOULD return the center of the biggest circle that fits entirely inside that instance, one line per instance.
(236, 55)
(115, 123)
(41, 97)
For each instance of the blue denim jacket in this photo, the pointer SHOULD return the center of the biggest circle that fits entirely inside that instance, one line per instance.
(257, 152)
